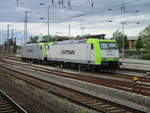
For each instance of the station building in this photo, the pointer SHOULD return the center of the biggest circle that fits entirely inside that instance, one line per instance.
(10, 46)
(132, 42)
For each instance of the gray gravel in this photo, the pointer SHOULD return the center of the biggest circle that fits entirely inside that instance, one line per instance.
(110, 94)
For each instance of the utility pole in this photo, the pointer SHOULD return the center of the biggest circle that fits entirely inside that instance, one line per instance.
(123, 8)
(48, 19)
(12, 35)
(26, 27)
(8, 31)
(123, 23)
(123, 43)
(82, 30)
(69, 31)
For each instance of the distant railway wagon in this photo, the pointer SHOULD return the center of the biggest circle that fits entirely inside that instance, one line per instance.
(90, 52)
(35, 52)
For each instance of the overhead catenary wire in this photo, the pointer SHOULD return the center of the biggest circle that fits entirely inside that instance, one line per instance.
(88, 12)
(17, 2)
(117, 7)
(69, 4)
(52, 2)
(80, 15)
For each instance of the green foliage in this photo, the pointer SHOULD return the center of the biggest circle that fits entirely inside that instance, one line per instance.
(1, 46)
(48, 38)
(34, 39)
(81, 111)
(126, 42)
(3, 53)
(18, 47)
(139, 43)
(145, 36)
(145, 56)
(134, 53)
(119, 36)
(78, 37)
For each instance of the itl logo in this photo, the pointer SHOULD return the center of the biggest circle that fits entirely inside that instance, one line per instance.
(68, 52)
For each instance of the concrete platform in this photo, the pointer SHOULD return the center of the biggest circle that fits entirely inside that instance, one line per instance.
(136, 61)
(136, 64)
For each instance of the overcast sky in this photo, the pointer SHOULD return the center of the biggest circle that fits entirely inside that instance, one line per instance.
(93, 15)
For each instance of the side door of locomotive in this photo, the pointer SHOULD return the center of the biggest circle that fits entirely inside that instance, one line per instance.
(90, 53)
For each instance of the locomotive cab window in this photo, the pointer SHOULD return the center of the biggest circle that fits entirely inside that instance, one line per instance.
(92, 46)
(47, 47)
(104, 45)
(108, 45)
(112, 46)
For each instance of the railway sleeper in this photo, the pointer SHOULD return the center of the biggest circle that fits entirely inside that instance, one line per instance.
(4, 105)
(97, 104)
(105, 105)
(9, 111)
(112, 108)
(117, 111)
(92, 102)
(6, 108)
(3, 102)
(86, 100)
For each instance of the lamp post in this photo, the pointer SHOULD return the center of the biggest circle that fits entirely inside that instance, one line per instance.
(8, 30)
(123, 49)
(12, 34)
(69, 32)
(48, 17)
(82, 29)
(25, 26)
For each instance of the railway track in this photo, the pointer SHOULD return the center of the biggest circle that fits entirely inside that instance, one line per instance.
(134, 70)
(122, 85)
(119, 74)
(98, 104)
(121, 69)
(8, 105)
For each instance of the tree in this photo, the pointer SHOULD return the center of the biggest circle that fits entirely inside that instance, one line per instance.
(48, 38)
(34, 39)
(119, 36)
(78, 37)
(139, 44)
(145, 36)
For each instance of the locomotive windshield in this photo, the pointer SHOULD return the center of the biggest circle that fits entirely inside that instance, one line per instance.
(46, 46)
(108, 45)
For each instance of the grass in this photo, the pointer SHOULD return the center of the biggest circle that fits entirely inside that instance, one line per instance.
(6, 54)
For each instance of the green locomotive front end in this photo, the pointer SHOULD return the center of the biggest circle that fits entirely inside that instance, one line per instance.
(106, 52)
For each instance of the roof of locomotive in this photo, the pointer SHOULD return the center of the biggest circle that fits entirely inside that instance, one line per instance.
(82, 41)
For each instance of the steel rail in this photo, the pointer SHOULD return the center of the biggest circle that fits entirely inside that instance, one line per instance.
(92, 102)
(7, 104)
(136, 88)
